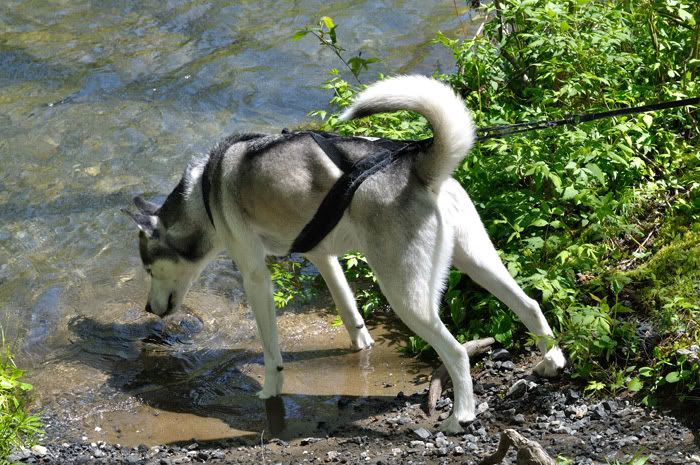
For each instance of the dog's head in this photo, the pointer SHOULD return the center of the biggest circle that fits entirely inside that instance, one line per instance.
(173, 254)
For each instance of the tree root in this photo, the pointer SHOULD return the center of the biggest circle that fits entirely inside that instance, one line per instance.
(529, 451)
(440, 376)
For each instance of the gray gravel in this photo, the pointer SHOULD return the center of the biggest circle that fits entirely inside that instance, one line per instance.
(554, 413)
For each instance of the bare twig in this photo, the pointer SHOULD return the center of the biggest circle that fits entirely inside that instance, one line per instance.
(459, 17)
(627, 264)
(529, 452)
(441, 376)
(262, 446)
(337, 51)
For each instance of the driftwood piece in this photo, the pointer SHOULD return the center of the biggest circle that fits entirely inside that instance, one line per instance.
(440, 376)
(529, 451)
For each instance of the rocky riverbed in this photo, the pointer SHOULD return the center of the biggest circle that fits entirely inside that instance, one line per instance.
(554, 413)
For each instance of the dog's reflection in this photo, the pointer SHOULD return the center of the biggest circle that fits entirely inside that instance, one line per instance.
(276, 415)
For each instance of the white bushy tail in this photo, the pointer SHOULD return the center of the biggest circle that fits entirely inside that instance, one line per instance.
(453, 128)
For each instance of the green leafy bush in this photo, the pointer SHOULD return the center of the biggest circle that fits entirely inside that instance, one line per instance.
(569, 207)
(573, 211)
(290, 282)
(17, 427)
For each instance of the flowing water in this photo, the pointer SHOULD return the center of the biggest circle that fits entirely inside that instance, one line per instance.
(104, 100)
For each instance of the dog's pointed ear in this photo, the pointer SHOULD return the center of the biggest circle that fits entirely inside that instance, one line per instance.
(144, 206)
(146, 223)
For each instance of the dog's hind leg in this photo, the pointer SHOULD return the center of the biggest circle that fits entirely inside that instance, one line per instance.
(258, 289)
(411, 277)
(475, 255)
(333, 275)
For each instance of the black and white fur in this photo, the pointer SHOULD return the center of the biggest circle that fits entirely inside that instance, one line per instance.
(410, 220)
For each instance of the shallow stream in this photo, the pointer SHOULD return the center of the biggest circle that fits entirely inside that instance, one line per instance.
(104, 100)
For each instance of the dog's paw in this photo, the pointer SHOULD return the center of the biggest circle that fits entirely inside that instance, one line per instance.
(269, 392)
(262, 394)
(453, 425)
(552, 363)
(362, 340)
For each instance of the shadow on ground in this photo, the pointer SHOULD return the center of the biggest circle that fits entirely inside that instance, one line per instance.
(171, 374)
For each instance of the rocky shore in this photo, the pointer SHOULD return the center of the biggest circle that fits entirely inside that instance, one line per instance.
(555, 413)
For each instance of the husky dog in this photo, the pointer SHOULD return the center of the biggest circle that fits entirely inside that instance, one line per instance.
(253, 194)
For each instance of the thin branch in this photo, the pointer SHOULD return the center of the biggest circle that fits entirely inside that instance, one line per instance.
(459, 17)
(441, 376)
(529, 452)
(336, 50)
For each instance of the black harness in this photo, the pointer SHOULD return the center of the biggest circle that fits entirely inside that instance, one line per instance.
(340, 195)
(338, 198)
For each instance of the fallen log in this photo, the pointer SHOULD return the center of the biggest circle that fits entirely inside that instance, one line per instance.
(440, 377)
(529, 452)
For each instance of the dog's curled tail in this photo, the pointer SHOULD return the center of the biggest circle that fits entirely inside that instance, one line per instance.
(453, 128)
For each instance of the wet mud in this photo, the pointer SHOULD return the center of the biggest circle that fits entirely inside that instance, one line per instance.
(150, 381)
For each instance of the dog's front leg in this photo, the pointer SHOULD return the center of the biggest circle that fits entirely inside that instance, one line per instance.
(258, 288)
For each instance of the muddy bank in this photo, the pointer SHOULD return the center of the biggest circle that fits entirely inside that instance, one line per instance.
(145, 381)
(395, 430)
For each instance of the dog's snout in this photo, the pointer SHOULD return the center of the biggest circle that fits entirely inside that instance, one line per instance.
(161, 308)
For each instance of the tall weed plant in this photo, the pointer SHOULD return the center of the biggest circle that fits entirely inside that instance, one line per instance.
(579, 213)
(18, 428)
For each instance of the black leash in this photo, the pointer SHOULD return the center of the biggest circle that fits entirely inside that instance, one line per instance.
(510, 129)
(339, 197)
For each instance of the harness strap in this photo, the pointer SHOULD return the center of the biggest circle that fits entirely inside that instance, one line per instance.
(336, 156)
(338, 198)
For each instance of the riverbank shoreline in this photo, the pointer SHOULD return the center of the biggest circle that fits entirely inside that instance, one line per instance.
(554, 413)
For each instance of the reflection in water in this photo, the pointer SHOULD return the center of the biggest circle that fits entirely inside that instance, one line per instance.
(44, 316)
(276, 415)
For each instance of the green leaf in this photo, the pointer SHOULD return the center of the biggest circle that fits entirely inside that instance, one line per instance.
(534, 243)
(596, 171)
(328, 21)
(556, 180)
(25, 386)
(673, 377)
(563, 256)
(639, 460)
(617, 158)
(540, 222)
(685, 15)
(299, 34)
(594, 386)
(635, 385)
(457, 311)
(648, 120)
(569, 193)
(5, 384)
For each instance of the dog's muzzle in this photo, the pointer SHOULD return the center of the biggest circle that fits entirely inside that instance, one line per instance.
(171, 305)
